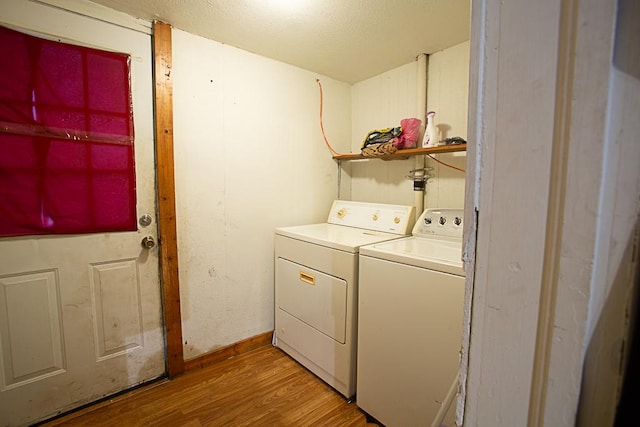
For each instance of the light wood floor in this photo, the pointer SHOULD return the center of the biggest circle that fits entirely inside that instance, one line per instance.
(264, 387)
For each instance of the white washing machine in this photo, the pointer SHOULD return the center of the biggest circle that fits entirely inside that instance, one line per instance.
(316, 279)
(410, 314)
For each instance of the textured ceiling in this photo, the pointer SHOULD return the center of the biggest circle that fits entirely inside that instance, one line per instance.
(348, 40)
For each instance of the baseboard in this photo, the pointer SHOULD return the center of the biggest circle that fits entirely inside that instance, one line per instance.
(226, 352)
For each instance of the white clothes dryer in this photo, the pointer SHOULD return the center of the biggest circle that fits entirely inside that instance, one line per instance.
(316, 279)
(410, 314)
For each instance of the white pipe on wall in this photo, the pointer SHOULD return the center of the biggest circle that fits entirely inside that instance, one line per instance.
(419, 178)
(421, 107)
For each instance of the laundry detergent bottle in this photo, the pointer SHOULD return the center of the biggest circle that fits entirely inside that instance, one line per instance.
(431, 133)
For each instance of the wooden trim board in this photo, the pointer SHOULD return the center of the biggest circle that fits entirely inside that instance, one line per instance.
(168, 241)
(225, 353)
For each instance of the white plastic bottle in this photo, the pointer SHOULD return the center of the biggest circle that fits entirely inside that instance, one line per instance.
(431, 133)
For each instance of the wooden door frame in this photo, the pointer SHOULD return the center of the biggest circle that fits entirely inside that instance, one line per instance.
(165, 175)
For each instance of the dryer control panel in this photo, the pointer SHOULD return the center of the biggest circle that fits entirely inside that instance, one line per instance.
(440, 223)
(396, 219)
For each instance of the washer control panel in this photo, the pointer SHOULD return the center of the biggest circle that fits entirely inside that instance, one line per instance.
(397, 219)
(439, 223)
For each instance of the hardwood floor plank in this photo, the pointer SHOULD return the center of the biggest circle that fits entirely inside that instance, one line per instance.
(264, 387)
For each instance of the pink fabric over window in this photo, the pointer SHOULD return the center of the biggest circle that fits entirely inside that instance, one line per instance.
(66, 138)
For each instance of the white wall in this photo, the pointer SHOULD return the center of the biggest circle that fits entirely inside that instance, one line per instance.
(382, 101)
(249, 158)
(447, 95)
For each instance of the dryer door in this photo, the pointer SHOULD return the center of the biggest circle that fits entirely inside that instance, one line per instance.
(313, 297)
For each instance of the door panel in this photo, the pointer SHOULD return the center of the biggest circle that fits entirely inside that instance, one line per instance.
(115, 287)
(80, 315)
(30, 306)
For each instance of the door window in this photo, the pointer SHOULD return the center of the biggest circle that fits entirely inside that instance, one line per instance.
(66, 138)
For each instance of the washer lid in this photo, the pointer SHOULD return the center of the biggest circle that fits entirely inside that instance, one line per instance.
(434, 254)
(334, 236)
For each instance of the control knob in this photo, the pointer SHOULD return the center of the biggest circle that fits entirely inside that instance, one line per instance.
(443, 220)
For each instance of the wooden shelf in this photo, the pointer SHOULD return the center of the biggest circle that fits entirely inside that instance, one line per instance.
(405, 154)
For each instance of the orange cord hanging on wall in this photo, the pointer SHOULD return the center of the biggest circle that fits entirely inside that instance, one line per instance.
(324, 135)
(446, 164)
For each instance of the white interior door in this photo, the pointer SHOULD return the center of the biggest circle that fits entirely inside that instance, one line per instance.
(80, 315)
